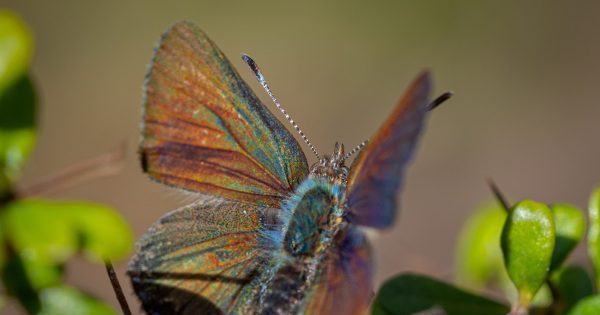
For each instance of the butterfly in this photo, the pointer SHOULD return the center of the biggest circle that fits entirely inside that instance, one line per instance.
(268, 234)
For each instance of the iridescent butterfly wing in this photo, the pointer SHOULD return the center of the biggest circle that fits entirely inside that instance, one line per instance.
(199, 259)
(376, 175)
(205, 131)
(345, 284)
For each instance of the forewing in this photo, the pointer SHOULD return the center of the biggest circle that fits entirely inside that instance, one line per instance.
(204, 130)
(376, 175)
(199, 259)
(345, 286)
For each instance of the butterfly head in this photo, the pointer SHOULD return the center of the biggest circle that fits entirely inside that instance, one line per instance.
(332, 166)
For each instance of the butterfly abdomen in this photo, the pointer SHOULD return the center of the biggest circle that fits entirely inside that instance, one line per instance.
(286, 291)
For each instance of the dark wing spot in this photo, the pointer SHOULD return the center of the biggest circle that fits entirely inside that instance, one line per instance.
(165, 300)
(144, 161)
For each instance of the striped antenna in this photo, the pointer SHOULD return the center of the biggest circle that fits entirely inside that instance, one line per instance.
(263, 82)
(356, 149)
(439, 100)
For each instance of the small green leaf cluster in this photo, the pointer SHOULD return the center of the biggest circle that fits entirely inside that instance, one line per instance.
(521, 251)
(39, 236)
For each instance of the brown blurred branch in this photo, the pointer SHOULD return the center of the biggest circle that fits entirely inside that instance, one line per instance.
(100, 166)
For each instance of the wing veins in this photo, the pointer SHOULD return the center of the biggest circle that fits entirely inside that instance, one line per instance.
(228, 96)
(278, 197)
(224, 169)
(227, 128)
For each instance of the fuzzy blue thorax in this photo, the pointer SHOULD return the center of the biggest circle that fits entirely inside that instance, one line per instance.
(314, 210)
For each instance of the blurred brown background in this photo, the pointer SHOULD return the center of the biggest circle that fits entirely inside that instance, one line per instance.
(525, 112)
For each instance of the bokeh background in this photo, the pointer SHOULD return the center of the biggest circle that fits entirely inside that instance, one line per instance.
(525, 113)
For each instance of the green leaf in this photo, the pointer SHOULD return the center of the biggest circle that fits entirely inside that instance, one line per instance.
(104, 234)
(23, 279)
(570, 228)
(573, 284)
(479, 257)
(588, 306)
(528, 240)
(40, 230)
(411, 293)
(17, 99)
(594, 233)
(65, 300)
(52, 231)
(18, 284)
(16, 48)
(17, 130)
(41, 274)
(2, 248)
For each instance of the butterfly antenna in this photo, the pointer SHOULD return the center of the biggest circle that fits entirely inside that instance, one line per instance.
(263, 82)
(114, 281)
(439, 100)
(500, 197)
(356, 149)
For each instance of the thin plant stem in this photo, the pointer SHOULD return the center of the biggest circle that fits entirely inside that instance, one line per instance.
(114, 281)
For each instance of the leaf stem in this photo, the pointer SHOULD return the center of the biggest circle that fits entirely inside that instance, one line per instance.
(500, 197)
